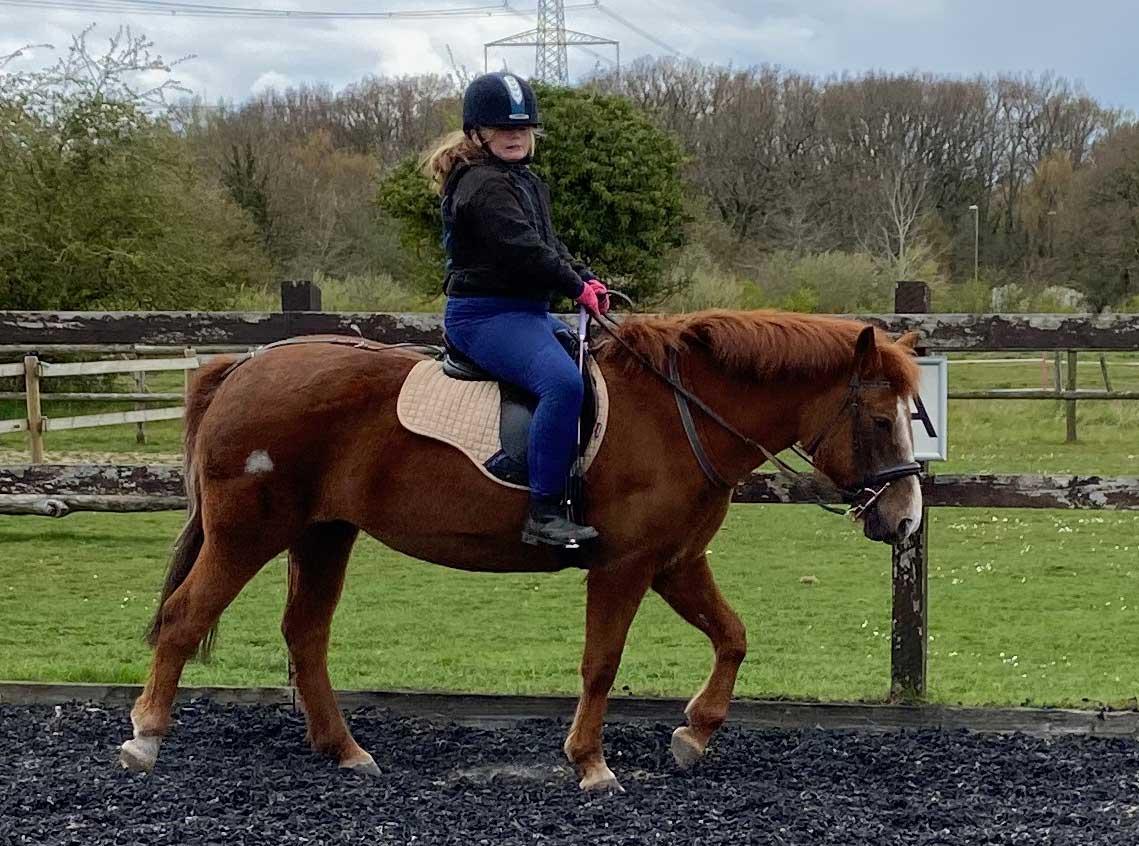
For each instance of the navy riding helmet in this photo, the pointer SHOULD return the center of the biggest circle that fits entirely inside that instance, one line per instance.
(499, 100)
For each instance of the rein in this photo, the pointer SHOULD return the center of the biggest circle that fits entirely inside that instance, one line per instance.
(819, 489)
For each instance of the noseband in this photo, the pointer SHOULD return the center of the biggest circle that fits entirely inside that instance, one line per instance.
(873, 484)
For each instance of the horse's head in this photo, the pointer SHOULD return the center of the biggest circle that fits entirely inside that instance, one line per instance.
(859, 433)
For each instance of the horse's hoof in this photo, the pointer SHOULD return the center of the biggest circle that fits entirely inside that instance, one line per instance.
(365, 766)
(601, 780)
(139, 754)
(685, 749)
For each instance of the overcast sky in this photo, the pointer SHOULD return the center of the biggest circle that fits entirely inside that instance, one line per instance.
(1091, 42)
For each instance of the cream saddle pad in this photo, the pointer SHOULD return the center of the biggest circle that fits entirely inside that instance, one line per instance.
(466, 415)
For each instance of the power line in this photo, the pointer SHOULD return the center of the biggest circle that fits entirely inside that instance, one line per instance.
(203, 10)
(648, 36)
(209, 10)
(699, 33)
(213, 10)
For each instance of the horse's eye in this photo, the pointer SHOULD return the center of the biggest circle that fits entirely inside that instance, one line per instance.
(883, 424)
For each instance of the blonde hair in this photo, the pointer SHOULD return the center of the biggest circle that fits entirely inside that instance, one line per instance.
(456, 147)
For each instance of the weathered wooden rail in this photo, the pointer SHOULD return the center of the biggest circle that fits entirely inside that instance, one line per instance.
(23, 330)
(225, 331)
(59, 489)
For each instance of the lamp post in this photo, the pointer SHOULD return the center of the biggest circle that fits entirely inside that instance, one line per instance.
(976, 237)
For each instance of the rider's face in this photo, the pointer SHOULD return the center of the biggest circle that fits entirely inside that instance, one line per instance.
(511, 144)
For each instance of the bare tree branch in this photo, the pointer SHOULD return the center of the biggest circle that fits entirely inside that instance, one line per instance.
(123, 73)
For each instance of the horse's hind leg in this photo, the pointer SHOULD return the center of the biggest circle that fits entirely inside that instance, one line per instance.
(693, 594)
(221, 570)
(317, 562)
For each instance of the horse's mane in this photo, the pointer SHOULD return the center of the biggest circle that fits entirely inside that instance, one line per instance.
(766, 345)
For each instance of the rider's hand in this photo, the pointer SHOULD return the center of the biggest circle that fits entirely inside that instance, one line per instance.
(602, 294)
(588, 298)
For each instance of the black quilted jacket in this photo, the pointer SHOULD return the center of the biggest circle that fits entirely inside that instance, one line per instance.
(500, 239)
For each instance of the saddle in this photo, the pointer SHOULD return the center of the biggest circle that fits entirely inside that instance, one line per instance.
(453, 400)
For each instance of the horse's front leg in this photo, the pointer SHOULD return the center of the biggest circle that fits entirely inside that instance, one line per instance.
(692, 592)
(613, 596)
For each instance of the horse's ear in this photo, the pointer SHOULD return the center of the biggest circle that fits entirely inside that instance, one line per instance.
(865, 352)
(910, 340)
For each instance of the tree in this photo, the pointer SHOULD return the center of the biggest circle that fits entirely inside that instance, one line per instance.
(246, 180)
(126, 72)
(1042, 200)
(1102, 228)
(406, 196)
(329, 193)
(616, 186)
(99, 210)
(616, 182)
(304, 163)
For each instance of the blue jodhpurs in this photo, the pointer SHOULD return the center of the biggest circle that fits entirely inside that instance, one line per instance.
(513, 339)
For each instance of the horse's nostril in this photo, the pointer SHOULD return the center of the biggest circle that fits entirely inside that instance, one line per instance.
(904, 528)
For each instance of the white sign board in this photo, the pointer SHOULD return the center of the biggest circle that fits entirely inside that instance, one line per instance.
(930, 410)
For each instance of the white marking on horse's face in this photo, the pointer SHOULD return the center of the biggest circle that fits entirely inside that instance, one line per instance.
(258, 462)
(903, 499)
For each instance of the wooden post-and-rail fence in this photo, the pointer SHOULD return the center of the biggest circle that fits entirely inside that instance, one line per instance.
(34, 371)
(56, 490)
(295, 296)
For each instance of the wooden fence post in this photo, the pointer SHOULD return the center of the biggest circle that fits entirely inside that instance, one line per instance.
(1103, 370)
(300, 296)
(910, 567)
(1071, 409)
(140, 386)
(35, 410)
(188, 352)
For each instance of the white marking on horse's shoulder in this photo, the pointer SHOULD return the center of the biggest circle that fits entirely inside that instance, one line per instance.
(258, 462)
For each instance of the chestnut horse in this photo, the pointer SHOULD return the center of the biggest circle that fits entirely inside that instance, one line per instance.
(299, 448)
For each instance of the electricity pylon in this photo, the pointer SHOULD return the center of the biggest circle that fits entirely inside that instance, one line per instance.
(550, 39)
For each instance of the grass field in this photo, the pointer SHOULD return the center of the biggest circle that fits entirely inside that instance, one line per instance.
(1027, 607)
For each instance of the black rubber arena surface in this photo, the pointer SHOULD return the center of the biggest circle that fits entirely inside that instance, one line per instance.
(242, 775)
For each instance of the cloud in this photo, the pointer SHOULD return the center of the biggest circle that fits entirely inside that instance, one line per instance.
(900, 8)
(785, 35)
(270, 79)
(235, 57)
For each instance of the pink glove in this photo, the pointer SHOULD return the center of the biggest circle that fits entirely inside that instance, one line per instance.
(588, 298)
(602, 294)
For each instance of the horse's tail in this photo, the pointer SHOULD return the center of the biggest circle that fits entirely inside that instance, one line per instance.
(201, 392)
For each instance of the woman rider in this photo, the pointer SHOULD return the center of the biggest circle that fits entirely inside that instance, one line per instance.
(505, 264)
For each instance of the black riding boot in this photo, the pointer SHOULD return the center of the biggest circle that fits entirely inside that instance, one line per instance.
(547, 524)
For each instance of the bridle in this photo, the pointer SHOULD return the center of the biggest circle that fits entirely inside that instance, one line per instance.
(820, 488)
(872, 484)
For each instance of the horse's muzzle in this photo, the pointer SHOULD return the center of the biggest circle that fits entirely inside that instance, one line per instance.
(877, 528)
